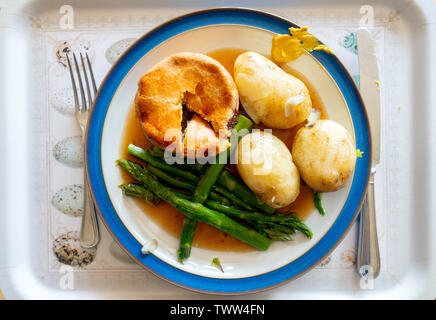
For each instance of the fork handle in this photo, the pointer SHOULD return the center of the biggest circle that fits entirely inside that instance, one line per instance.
(368, 256)
(89, 234)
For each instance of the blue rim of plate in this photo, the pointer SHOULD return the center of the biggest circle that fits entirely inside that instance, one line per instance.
(304, 263)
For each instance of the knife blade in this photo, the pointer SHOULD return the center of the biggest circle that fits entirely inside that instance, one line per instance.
(368, 256)
(369, 88)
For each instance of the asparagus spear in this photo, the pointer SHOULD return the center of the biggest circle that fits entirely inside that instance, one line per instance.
(275, 226)
(173, 181)
(225, 179)
(186, 237)
(204, 186)
(317, 197)
(230, 196)
(218, 192)
(216, 197)
(196, 211)
(159, 153)
(212, 172)
(280, 231)
(158, 163)
(135, 190)
(196, 167)
(249, 215)
(189, 225)
(235, 185)
(186, 185)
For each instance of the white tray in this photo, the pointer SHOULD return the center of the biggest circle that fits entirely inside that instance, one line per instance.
(36, 104)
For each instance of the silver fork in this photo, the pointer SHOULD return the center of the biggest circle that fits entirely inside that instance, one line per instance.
(89, 234)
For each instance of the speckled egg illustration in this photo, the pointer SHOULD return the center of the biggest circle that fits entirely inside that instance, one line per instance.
(69, 151)
(62, 100)
(64, 47)
(67, 250)
(69, 200)
(115, 50)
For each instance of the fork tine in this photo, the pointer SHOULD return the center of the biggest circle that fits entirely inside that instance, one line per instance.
(73, 82)
(91, 72)
(88, 90)
(82, 92)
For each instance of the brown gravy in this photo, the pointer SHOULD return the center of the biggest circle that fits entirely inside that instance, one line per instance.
(206, 236)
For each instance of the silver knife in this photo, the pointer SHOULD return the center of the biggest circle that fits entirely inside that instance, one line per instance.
(368, 256)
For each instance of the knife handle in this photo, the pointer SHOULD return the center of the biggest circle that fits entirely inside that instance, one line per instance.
(368, 255)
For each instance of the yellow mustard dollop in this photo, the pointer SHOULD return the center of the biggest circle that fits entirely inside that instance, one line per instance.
(285, 48)
(288, 47)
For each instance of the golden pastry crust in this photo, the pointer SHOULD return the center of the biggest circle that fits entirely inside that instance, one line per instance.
(199, 82)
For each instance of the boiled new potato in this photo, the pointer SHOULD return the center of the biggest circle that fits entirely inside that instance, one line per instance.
(265, 164)
(325, 155)
(269, 94)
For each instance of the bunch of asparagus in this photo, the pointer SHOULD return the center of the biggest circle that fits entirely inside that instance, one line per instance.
(210, 194)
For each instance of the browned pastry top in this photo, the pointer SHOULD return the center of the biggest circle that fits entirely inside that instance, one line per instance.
(202, 85)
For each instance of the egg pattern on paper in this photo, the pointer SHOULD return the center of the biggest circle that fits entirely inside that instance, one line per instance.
(62, 102)
(67, 250)
(69, 151)
(116, 50)
(69, 200)
(68, 47)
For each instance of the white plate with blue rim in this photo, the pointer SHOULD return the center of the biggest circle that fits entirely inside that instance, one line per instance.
(244, 272)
